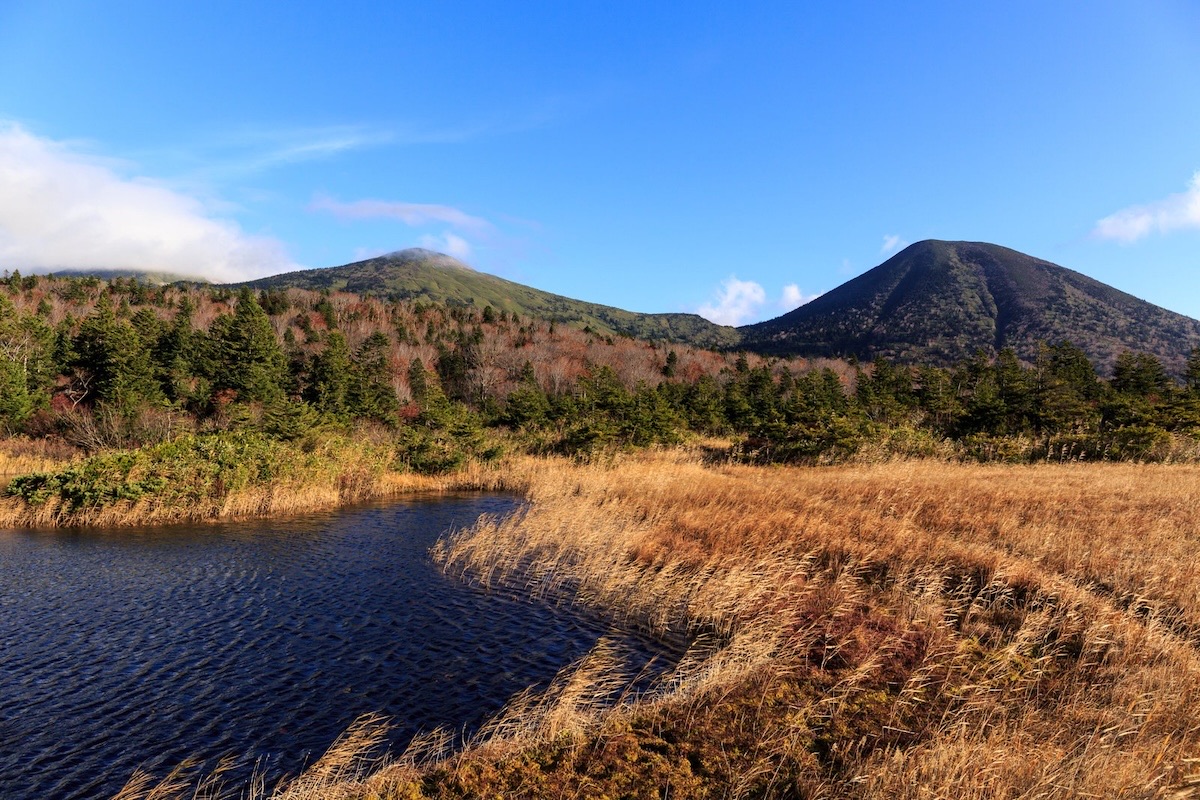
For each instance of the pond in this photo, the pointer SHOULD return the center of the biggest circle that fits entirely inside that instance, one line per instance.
(263, 640)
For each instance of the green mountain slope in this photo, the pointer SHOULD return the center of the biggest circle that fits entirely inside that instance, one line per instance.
(423, 274)
(938, 302)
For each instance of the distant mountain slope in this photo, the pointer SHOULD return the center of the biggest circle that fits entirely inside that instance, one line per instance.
(145, 276)
(417, 273)
(938, 302)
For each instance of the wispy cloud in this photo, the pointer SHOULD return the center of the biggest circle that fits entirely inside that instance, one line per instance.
(892, 243)
(446, 242)
(61, 208)
(1175, 212)
(456, 225)
(228, 157)
(267, 150)
(414, 214)
(794, 298)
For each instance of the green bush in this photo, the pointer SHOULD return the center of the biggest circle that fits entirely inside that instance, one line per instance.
(187, 469)
(1140, 443)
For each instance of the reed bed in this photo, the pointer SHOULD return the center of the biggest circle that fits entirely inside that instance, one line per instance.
(910, 630)
(20, 455)
(933, 629)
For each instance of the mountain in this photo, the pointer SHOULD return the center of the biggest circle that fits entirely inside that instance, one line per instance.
(938, 302)
(147, 277)
(419, 274)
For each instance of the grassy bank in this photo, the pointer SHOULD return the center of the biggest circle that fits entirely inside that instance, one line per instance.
(907, 630)
(228, 475)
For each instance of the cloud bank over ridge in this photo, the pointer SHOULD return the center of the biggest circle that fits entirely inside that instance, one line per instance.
(61, 209)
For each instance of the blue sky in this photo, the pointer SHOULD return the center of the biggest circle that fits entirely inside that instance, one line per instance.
(652, 156)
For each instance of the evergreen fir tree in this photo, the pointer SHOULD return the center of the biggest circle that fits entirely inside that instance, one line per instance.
(249, 359)
(330, 378)
(370, 392)
(118, 359)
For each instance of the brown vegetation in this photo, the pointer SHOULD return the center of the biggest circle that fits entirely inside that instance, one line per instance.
(19, 455)
(558, 354)
(912, 629)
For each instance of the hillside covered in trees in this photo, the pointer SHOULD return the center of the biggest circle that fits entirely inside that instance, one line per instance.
(419, 274)
(934, 303)
(120, 364)
(940, 302)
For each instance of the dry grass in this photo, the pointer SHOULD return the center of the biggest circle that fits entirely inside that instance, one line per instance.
(909, 630)
(19, 455)
(944, 630)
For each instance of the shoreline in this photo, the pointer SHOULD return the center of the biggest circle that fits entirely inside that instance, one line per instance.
(868, 629)
(225, 478)
(269, 503)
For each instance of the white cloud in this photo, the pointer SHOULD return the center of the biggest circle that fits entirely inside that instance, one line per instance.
(366, 253)
(737, 302)
(414, 214)
(892, 243)
(446, 242)
(1173, 213)
(248, 151)
(794, 298)
(62, 209)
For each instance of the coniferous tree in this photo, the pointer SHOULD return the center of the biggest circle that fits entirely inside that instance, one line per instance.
(175, 354)
(248, 357)
(418, 380)
(330, 378)
(117, 358)
(984, 409)
(370, 393)
(703, 406)
(1066, 390)
(937, 398)
(27, 347)
(1192, 376)
(1139, 375)
(527, 404)
(15, 403)
(1013, 385)
(672, 364)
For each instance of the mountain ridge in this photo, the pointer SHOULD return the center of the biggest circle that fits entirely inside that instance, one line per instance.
(941, 301)
(935, 302)
(416, 274)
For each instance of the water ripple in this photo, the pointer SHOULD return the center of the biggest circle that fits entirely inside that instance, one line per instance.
(263, 640)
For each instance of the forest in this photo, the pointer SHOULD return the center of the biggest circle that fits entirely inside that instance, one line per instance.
(101, 365)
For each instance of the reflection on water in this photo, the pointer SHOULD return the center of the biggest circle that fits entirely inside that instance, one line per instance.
(265, 639)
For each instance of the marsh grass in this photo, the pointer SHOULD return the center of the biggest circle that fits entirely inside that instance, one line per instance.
(20, 455)
(900, 630)
(914, 629)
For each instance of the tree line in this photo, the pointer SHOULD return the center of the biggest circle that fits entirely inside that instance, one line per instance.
(120, 364)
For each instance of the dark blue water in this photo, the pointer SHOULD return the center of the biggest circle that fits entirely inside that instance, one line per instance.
(264, 640)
